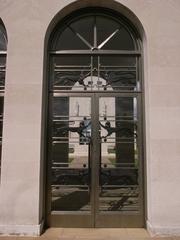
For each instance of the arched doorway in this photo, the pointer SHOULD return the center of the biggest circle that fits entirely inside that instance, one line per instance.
(95, 164)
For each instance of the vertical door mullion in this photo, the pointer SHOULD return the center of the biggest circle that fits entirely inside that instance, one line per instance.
(95, 155)
(140, 155)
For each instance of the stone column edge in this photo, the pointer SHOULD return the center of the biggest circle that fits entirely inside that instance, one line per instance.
(21, 230)
(161, 231)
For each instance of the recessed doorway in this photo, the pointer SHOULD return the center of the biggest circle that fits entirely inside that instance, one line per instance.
(95, 161)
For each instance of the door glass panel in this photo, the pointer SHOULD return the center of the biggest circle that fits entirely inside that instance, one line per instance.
(119, 190)
(70, 149)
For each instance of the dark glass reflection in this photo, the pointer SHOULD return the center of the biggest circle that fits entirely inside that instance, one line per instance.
(3, 40)
(85, 27)
(121, 41)
(128, 61)
(94, 32)
(82, 73)
(105, 27)
(70, 167)
(119, 189)
(2, 72)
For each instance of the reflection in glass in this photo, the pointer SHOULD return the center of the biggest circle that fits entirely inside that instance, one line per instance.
(103, 33)
(71, 133)
(122, 40)
(3, 38)
(119, 154)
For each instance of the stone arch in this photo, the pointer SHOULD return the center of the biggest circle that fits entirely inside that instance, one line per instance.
(112, 5)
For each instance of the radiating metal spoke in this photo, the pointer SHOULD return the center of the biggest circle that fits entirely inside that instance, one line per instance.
(95, 33)
(107, 39)
(81, 37)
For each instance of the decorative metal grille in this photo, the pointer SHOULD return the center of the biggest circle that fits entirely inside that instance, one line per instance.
(97, 75)
(104, 58)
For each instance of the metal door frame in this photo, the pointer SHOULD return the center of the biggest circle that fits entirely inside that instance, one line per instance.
(94, 218)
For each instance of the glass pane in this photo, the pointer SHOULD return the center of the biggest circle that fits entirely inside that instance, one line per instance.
(3, 41)
(119, 73)
(119, 190)
(84, 26)
(70, 171)
(122, 40)
(94, 31)
(68, 40)
(2, 72)
(70, 71)
(92, 73)
(123, 61)
(105, 27)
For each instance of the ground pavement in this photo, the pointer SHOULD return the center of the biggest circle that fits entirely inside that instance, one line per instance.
(92, 234)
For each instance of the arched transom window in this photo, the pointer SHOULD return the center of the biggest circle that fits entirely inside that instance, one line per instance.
(96, 52)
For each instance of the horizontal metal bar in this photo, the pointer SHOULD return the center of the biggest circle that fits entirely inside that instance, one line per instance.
(69, 116)
(3, 52)
(100, 87)
(95, 52)
(100, 66)
(109, 168)
(90, 70)
(122, 186)
(117, 142)
(70, 168)
(120, 66)
(74, 164)
(89, 93)
(76, 213)
(59, 163)
(65, 66)
(57, 93)
(60, 185)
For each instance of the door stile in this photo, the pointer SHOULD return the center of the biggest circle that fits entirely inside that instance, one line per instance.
(95, 155)
(141, 162)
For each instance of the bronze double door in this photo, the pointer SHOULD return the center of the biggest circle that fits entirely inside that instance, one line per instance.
(95, 176)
